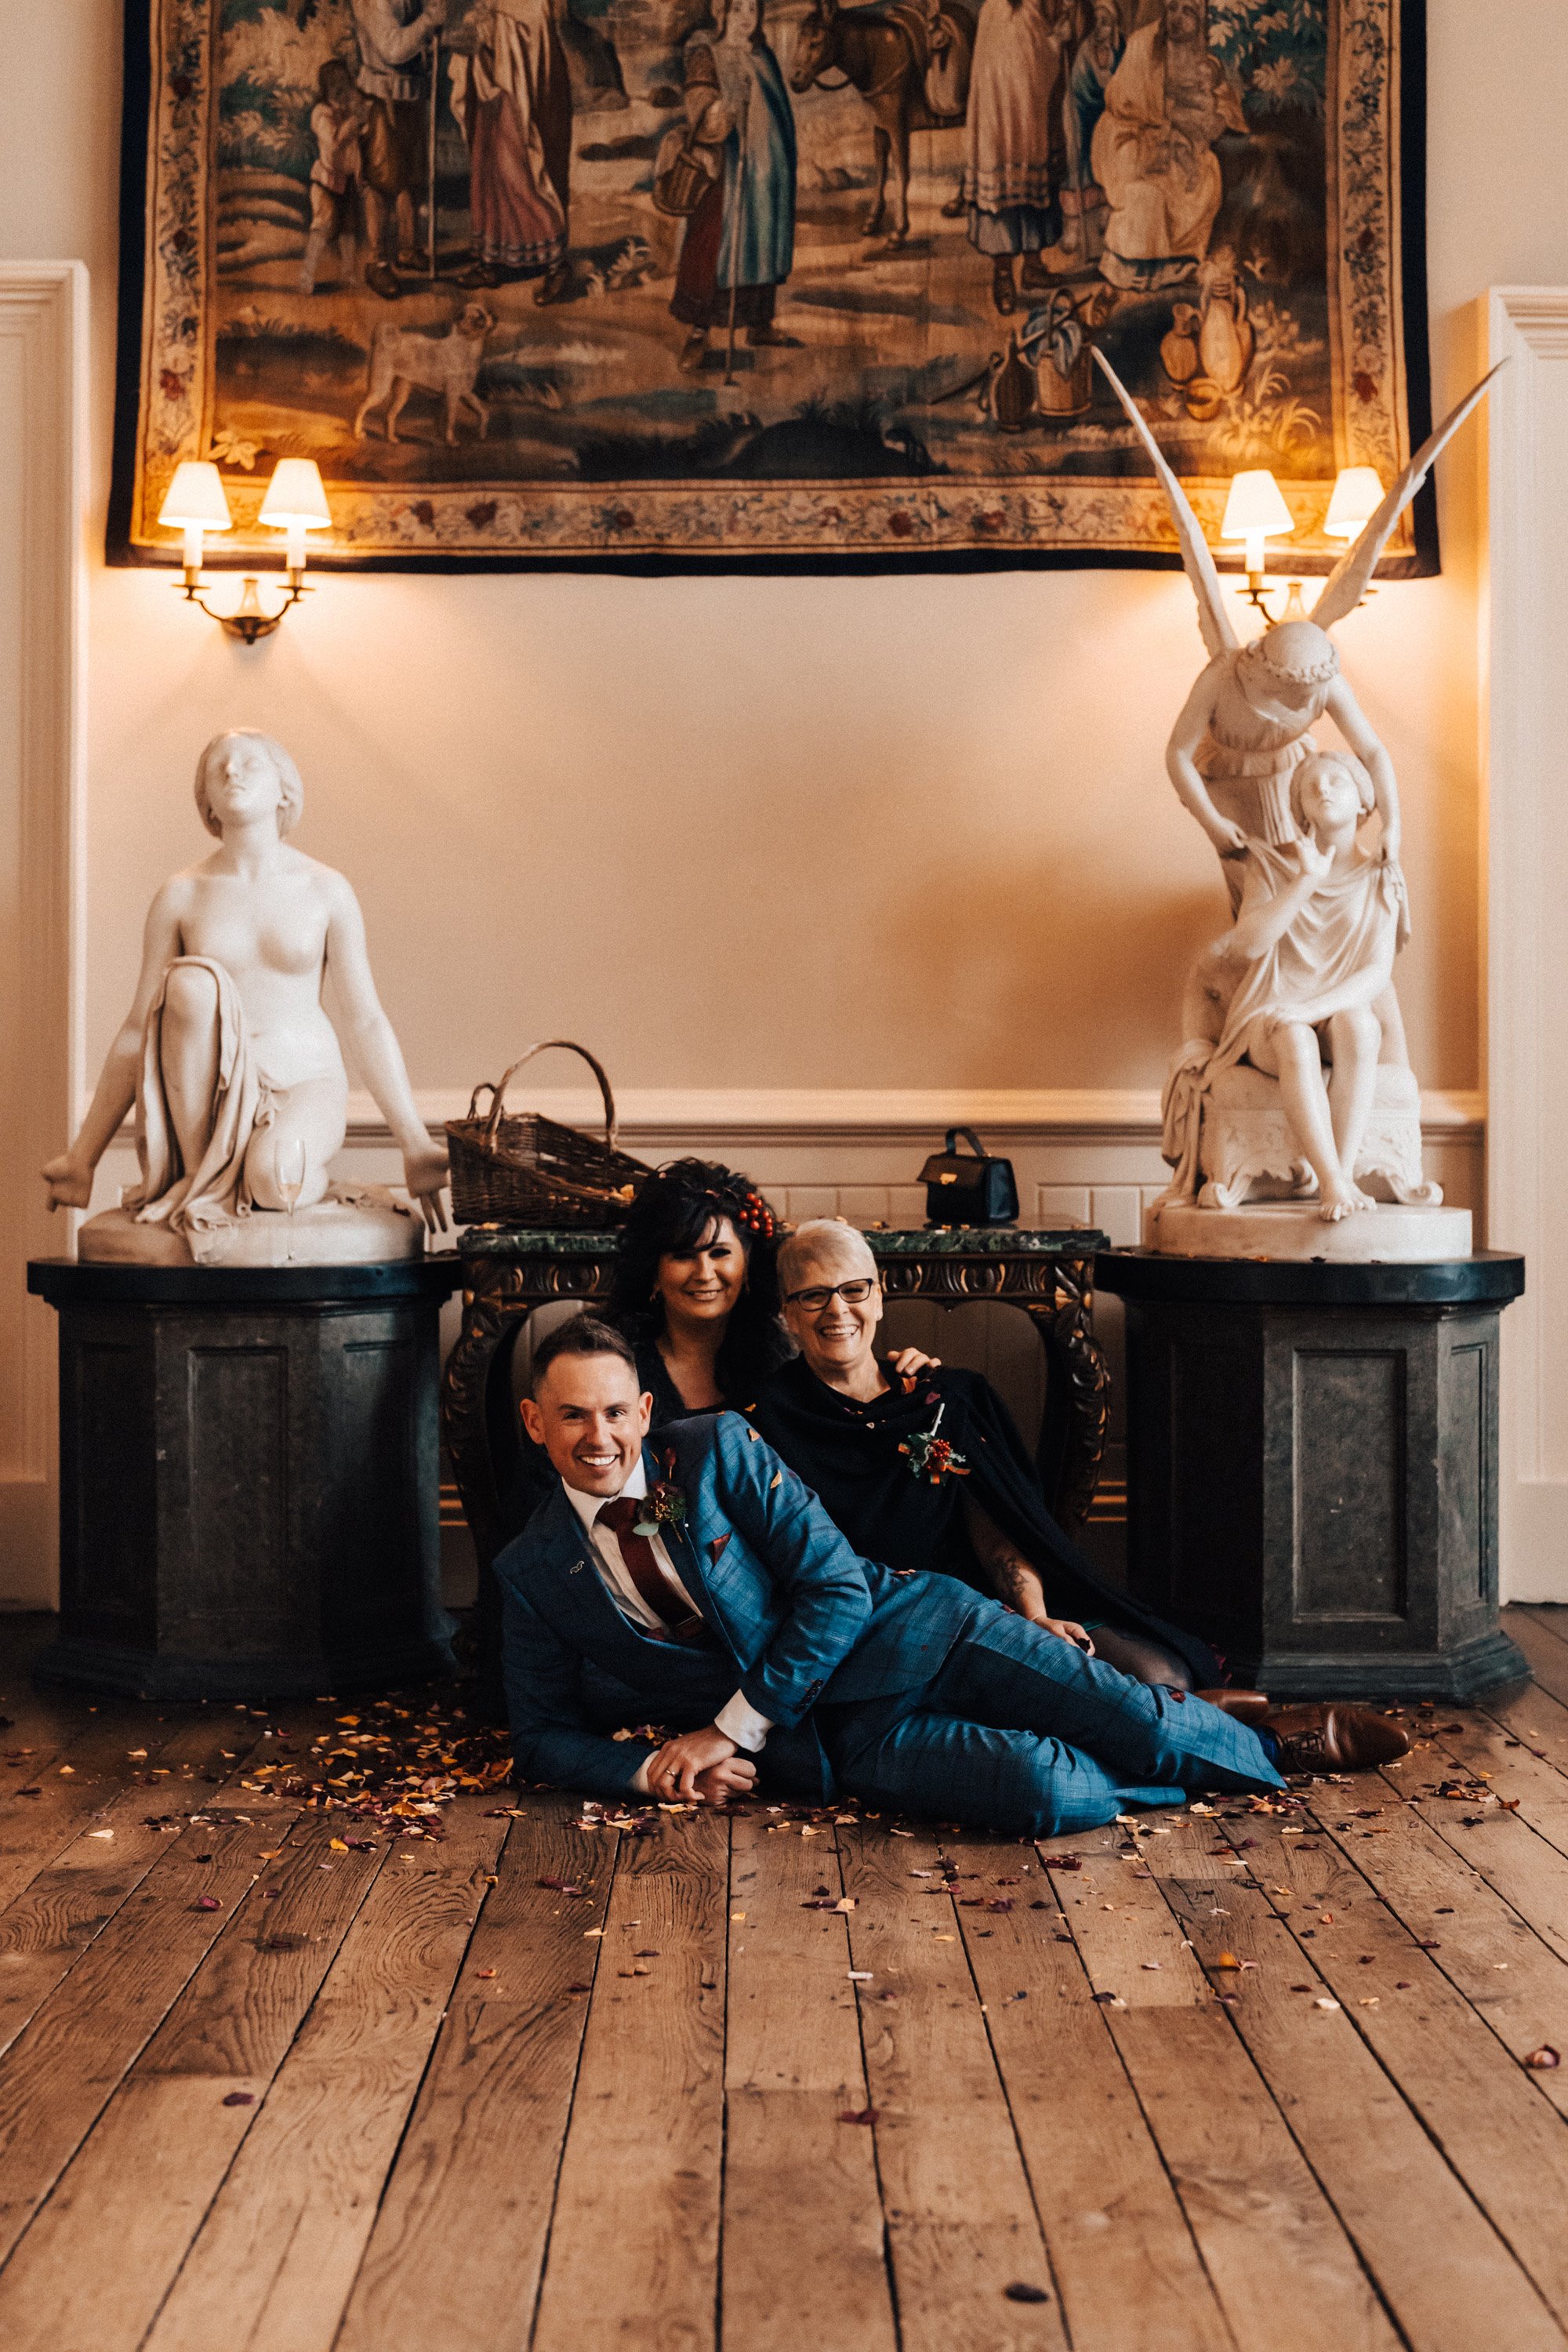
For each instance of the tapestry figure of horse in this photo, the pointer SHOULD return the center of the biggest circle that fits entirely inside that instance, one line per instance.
(909, 64)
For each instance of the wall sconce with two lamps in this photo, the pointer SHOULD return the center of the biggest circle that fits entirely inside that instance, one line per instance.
(1256, 512)
(295, 503)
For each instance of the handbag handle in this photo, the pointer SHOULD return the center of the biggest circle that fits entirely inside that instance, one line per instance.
(492, 1127)
(972, 1140)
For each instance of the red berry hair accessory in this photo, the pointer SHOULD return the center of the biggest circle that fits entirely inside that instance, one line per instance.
(758, 1218)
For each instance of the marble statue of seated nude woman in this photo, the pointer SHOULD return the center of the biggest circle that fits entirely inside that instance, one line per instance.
(1297, 984)
(227, 1054)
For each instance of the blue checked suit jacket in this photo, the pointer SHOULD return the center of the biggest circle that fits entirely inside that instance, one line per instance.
(798, 1617)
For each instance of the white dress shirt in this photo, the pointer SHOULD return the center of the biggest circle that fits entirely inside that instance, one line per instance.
(737, 1718)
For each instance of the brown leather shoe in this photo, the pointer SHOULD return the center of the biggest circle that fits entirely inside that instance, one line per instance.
(1247, 1705)
(1335, 1738)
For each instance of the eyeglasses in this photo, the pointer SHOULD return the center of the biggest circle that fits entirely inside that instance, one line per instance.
(853, 1294)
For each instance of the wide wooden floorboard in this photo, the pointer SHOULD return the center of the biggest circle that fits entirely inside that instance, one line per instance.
(143, 2181)
(961, 2223)
(1507, 2143)
(1443, 2269)
(276, 2257)
(1542, 1635)
(1287, 2273)
(632, 2264)
(454, 2259)
(779, 2083)
(1125, 2260)
(74, 1895)
(805, 2257)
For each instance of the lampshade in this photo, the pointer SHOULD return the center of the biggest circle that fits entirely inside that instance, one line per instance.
(1358, 494)
(295, 496)
(1256, 507)
(194, 497)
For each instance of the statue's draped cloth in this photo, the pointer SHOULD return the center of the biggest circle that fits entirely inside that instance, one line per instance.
(1336, 955)
(200, 1202)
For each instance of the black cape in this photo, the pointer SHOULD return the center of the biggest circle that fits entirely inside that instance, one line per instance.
(850, 1454)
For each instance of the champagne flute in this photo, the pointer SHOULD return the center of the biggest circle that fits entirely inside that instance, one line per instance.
(288, 1174)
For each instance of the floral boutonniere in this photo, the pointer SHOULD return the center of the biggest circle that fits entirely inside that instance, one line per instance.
(664, 1505)
(933, 1458)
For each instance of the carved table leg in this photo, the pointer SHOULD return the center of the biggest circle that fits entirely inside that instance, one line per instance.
(1077, 1398)
(492, 1312)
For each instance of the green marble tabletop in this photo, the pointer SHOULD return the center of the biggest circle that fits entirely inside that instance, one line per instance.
(917, 1240)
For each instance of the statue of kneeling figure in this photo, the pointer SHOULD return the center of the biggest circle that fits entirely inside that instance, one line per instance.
(231, 1063)
(1300, 989)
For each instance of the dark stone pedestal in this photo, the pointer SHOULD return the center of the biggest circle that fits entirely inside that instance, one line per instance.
(1312, 1463)
(248, 1483)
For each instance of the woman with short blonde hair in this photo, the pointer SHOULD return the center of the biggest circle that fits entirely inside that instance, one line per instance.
(927, 1470)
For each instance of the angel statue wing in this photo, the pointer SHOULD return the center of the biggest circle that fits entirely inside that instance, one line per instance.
(1347, 583)
(1213, 618)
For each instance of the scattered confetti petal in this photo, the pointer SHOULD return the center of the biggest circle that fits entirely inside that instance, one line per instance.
(1543, 2059)
(1019, 2291)
(858, 2115)
(239, 2098)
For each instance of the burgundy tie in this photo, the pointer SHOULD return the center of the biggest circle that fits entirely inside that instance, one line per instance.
(657, 1587)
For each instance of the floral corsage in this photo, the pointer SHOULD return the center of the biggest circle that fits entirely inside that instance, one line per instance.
(664, 1505)
(932, 1458)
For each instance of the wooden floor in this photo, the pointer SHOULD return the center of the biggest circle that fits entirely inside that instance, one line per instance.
(1245, 2079)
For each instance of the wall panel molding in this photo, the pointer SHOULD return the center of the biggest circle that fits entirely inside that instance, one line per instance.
(807, 1114)
(1524, 752)
(43, 491)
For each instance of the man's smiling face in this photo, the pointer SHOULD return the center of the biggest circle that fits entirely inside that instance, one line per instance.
(589, 1417)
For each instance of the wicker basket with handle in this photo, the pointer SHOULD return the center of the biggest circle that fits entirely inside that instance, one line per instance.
(525, 1169)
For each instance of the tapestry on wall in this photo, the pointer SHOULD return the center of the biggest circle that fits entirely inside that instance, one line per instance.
(779, 281)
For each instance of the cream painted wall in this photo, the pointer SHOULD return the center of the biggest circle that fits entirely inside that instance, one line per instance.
(882, 833)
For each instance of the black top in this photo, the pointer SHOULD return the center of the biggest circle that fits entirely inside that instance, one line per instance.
(1487, 1278)
(74, 1282)
(882, 1477)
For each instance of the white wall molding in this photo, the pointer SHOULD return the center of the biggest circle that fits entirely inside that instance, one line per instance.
(807, 1114)
(43, 492)
(1524, 757)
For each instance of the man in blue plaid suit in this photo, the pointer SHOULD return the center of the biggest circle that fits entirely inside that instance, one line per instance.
(697, 1583)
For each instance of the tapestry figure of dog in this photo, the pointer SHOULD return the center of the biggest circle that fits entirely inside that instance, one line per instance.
(402, 360)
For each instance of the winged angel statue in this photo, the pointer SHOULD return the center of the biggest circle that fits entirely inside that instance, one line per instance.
(1302, 987)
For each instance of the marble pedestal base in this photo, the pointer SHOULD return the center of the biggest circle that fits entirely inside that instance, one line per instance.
(249, 1485)
(1312, 1467)
(1294, 1230)
(362, 1225)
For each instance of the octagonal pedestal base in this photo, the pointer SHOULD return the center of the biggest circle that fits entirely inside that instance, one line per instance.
(249, 1485)
(1312, 1467)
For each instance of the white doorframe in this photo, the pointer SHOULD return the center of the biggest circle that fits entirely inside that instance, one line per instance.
(1524, 758)
(43, 495)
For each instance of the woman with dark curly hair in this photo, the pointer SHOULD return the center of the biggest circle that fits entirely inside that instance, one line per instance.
(693, 1288)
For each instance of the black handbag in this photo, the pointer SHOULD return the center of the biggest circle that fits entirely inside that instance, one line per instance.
(966, 1188)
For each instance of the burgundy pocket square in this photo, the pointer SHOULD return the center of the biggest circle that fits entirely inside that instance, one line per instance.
(716, 1547)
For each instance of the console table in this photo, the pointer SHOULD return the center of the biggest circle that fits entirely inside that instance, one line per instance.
(1046, 1272)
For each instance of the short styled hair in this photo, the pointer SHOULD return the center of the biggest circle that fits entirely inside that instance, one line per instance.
(291, 788)
(824, 1237)
(580, 1334)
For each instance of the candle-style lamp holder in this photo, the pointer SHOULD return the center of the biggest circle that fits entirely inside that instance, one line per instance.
(295, 503)
(247, 621)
